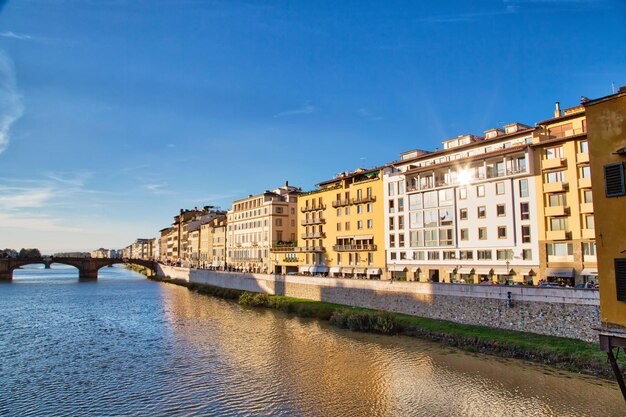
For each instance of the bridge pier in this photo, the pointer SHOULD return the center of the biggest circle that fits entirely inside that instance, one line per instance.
(6, 275)
(87, 274)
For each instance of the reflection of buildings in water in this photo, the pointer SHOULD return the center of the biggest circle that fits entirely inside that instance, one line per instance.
(325, 371)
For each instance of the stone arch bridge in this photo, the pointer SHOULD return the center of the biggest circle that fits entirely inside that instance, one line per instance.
(87, 267)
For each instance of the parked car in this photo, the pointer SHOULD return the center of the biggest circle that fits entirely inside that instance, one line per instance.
(549, 285)
(588, 285)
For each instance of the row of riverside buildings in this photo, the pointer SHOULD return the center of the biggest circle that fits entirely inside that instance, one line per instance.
(513, 205)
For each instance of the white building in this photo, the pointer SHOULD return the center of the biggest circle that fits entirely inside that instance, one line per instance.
(466, 212)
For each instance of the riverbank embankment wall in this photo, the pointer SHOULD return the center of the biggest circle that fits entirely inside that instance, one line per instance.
(564, 312)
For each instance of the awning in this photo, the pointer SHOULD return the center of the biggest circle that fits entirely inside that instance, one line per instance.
(397, 268)
(215, 264)
(482, 270)
(345, 270)
(525, 271)
(374, 271)
(560, 272)
(345, 237)
(318, 269)
(368, 237)
(304, 268)
(503, 271)
(467, 270)
(589, 271)
(416, 269)
(359, 270)
(450, 269)
(334, 270)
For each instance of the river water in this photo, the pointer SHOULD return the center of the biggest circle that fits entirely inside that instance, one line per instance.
(125, 345)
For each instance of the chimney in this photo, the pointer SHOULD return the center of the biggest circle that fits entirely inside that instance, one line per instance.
(557, 109)
(286, 183)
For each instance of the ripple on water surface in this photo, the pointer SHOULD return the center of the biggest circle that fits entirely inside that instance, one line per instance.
(127, 346)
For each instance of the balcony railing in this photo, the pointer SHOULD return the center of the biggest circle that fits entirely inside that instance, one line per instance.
(310, 249)
(314, 235)
(313, 208)
(315, 220)
(364, 199)
(347, 248)
(341, 203)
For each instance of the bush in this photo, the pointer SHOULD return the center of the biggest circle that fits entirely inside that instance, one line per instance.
(254, 299)
(361, 321)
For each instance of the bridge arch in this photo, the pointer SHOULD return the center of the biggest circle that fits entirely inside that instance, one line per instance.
(87, 267)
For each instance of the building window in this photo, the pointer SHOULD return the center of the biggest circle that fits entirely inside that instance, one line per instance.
(555, 177)
(462, 193)
(559, 223)
(482, 233)
(589, 221)
(446, 237)
(524, 211)
(392, 241)
(359, 224)
(400, 205)
(589, 248)
(400, 222)
(416, 238)
(359, 209)
(557, 200)
(525, 234)
(587, 196)
(559, 249)
(482, 212)
(418, 256)
(370, 258)
(466, 255)
(347, 226)
(392, 222)
(391, 189)
(556, 152)
(614, 180)
(370, 224)
(339, 212)
(279, 222)
(392, 256)
(347, 211)
(402, 255)
(483, 255)
(527, 254)
(584, 171)
(430, 237)
(433, 255)
(415, 202)
(523, 188)
(583, 146)
(392, 206)
(499, 188)
(500, 210)
(480, 191)
(464, 234)
(463, 214)
(369, 207)
(449, 255)
(401, 240)
(501, 232)
(504, 254)
(339, 227)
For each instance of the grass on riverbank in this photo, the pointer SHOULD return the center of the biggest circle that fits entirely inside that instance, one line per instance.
(562, 353)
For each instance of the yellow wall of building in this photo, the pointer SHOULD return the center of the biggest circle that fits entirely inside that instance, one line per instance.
(607, 133)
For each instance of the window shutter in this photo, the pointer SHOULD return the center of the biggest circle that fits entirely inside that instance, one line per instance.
(620, 278)
(614, 180)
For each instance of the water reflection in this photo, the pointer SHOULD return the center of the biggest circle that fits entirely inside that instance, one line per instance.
(128, 346)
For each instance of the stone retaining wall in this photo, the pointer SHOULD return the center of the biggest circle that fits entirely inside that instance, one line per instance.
(564, 312)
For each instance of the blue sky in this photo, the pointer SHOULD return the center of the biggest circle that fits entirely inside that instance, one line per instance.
(114, 114)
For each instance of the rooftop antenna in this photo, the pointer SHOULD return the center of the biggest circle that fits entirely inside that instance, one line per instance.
(613, 87)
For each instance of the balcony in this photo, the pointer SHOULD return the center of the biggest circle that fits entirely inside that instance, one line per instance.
(314, 235)
(554, 187)
(316, 220)
(341, 203)
(553, 163)
(312, 208)
(588, 233)
(355, 248)
(582, 158)
(286, 247)
(556, 235)
(364, 199)
(584, 183)
(557, 211)
(310, 249)
(586, 208)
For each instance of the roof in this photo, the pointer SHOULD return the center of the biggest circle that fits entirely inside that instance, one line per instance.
(350, 175)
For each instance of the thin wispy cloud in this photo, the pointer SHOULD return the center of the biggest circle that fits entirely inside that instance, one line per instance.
(11, 107)
(13, 35)
(305, 109)
(76, 179)
(33, 222)
(365, 113)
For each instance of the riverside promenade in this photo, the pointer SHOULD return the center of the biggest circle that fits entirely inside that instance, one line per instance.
(562, 312)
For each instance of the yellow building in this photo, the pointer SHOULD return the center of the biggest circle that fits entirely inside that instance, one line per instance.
(213, 243)
(567, 245)
(340, 229)
(607, 139)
